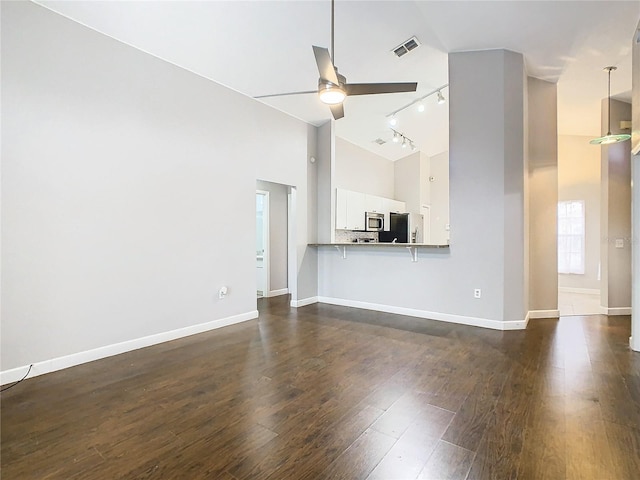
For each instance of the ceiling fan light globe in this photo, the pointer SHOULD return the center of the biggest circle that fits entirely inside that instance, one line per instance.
(331, 94)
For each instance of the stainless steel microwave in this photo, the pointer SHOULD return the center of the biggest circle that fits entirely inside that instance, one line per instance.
(373, 222)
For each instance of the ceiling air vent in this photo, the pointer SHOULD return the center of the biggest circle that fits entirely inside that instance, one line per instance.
(406, 47)
(379, 141)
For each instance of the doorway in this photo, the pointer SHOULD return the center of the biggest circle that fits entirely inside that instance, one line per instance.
(579, 231)
(273, 232)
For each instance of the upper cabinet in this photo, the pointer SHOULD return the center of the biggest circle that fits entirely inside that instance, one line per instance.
(351, 208)
(373, 203)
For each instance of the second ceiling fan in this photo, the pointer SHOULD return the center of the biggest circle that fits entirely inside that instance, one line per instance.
(333, 87)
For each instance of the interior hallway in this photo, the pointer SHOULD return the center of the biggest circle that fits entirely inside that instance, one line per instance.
(331, 392)
(571, 303)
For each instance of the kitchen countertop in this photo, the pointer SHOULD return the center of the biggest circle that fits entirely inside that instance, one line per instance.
(376, 244)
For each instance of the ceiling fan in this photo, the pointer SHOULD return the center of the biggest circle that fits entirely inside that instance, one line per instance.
(333, 87)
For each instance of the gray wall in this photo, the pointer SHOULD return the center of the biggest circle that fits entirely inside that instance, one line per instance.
(307, 272)
(579, 179)
(326, 197)
(486, 194)
(635, 168)
(127, 199)
(278, 233)
(543, 195)
(513, 137)
(616, 212)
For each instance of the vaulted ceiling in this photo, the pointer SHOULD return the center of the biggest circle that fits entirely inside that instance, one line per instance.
(264, 47)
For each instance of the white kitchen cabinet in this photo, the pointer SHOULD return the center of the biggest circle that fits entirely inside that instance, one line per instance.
(373, 203)
(350, 208)
(341, 209)
(355, 211)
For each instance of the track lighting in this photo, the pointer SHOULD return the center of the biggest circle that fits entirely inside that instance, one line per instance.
(609, 138)
(406, 141)
(393, 121)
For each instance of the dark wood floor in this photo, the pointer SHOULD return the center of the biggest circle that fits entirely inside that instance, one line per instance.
(325, 392)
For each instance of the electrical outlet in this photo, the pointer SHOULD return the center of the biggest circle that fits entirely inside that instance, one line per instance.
(477, 293)
(222, 293)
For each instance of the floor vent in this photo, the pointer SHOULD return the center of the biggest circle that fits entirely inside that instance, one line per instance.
(406, 47)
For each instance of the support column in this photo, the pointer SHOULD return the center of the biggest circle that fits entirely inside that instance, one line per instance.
(487, 158)
(615, 208)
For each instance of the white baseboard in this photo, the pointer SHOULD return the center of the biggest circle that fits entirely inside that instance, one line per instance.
(304, 302)
(276, 293)
(635, 346)
(443, 317)
(60, 363)
(615, 310)
(533, 314)
(585, 291)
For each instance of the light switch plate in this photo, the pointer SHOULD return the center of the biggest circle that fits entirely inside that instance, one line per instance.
(619, 242)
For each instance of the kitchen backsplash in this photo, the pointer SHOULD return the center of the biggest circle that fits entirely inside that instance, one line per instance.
(347, 236)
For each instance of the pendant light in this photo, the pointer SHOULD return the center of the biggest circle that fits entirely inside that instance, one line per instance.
(609, 138)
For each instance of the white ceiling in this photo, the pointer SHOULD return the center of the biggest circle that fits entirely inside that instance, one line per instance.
(264, 47)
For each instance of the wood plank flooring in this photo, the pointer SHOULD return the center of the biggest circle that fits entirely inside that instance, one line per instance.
(327, 392)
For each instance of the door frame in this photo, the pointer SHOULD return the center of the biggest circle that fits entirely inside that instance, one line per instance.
(266, 264)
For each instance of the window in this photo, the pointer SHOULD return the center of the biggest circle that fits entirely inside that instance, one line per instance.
(571, 237)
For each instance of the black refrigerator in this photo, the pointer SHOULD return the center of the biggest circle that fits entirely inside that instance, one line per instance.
(406, 227)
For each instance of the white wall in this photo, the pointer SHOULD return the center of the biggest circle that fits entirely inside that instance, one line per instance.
(278, 247)
(362, 171)
(128, 199)
(406, 176)
(439, 198)
(579, 179)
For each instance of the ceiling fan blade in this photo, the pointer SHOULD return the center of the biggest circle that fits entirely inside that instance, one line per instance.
(374, 88)
(325, 65)
(337, 111)
(285, 94)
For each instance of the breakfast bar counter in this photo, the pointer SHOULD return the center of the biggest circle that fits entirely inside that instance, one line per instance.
(412, 247)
